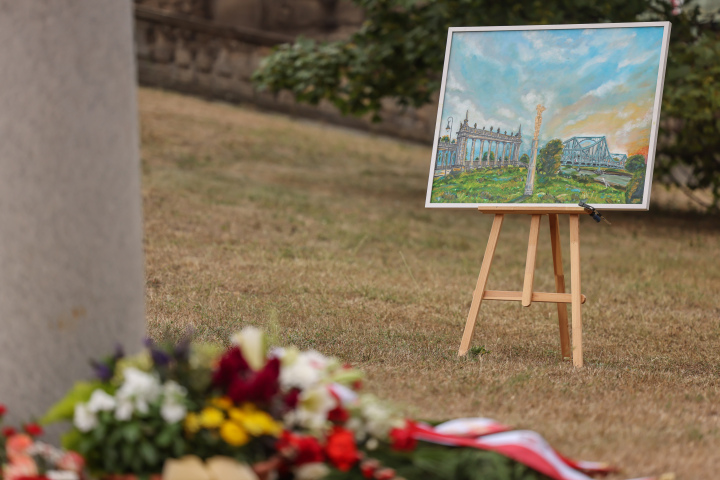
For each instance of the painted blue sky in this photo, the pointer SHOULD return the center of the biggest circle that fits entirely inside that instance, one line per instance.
(597, 81)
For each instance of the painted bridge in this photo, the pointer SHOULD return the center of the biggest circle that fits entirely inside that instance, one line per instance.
(590, 152)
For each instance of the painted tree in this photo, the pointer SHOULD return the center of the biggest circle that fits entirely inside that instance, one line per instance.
(636, 186)
(548, 159)
(635, 163)
(398, 54)
(524, 158)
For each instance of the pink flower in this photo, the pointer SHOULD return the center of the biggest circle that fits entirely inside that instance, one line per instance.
(17, 446)
(72, 461)
(19, 467)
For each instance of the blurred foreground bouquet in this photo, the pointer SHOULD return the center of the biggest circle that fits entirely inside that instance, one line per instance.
(198, 412)
(23, 457)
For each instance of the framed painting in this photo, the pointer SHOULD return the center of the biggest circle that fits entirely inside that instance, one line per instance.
(549, 115)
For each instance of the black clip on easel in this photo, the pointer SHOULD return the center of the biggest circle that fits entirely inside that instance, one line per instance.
(597, 216)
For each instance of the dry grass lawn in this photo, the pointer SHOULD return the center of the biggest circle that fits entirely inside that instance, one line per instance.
(320, 235)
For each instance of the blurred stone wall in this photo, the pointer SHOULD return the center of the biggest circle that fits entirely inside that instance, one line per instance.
(184, 45)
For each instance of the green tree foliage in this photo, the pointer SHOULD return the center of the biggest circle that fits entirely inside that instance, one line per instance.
(635, 163)
(524, 158)
(635, 188)
(549, 158)
(492, 156)
(398, 53)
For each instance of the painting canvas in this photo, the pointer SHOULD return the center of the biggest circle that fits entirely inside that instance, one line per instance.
(549, 115)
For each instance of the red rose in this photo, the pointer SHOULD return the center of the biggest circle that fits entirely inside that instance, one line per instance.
(3, 409)
(338, 415)
(292, 398)
(402, 438)
(232, 364)
(9, 431)
(33, 429)
(301, 448)
(258, 387)
(341, 449)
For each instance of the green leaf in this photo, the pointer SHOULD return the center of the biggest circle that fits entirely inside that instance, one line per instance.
(70, 440)
(65, 408)
(149, 453)
(131, 432)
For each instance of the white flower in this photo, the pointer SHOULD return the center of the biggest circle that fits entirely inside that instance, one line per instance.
(101, 401)
(172, 409)
(312, 410)
(173, 412)
(311, 471)
(253, 345)
(45, 450)
(61, 475)
(379, 418)
(124, 409)
(138, 390)
(308, 370)
(139, 384)
(173, 390)
(83, 419)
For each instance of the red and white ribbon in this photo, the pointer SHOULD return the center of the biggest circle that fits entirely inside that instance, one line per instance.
(524, 446)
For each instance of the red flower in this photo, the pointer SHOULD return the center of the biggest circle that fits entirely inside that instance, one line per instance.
(338, 415)
(232, 364)
(9, 431)
(341, 449)
(300, 448)
(368, 467)
(258, 387)
(241, 383)
(33, 429)
(292, 398)
(3, 409)
(402, 438)
(357, 385)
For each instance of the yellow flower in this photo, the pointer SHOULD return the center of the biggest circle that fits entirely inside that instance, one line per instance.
(211, 417)
(192, 422)
(233, 434)
(256, 422)
(223, 403)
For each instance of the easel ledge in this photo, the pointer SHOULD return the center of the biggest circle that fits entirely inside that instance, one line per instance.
(527, 295)
(534, 210)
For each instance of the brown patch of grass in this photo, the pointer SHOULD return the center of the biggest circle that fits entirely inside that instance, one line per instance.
(321, 233)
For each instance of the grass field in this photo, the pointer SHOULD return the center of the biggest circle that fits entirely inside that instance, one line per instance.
(320, 235)
(507, 185)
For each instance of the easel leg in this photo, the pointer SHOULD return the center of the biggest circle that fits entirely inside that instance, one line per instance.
(530, 261)
(481, 284)
(559, 284)
(575, 287)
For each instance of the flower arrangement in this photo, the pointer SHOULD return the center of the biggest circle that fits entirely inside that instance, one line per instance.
(23, 457)
(253, 413)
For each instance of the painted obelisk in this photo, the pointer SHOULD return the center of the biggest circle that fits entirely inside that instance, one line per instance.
(530, 183)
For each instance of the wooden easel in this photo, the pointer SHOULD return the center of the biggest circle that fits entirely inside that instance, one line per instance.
(527, 296)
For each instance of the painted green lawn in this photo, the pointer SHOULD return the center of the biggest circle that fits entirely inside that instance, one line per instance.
(507, 185)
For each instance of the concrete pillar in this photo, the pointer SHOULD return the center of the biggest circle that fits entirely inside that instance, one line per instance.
(71, 262)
